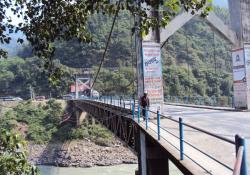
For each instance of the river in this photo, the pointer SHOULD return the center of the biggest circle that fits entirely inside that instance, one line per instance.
(109, 170)
(124, 169)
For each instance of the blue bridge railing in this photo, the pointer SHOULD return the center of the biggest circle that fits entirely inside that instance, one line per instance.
(221, 147)
(199, 100)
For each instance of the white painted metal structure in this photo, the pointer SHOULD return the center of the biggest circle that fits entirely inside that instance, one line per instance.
(238, 33)
(240, 24)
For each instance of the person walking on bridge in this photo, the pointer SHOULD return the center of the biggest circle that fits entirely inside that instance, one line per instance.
(144, 102)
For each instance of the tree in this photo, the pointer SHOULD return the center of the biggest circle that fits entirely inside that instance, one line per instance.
(47, 21)
(115, 82)
(13, 155)
(18, 75)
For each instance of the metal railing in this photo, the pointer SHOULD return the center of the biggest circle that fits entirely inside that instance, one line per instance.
(238, 162)
(137, 116)
(199, 100)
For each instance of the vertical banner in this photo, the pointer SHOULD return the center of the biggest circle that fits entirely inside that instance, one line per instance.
(239, 78)
(152, 71)
(247, 68)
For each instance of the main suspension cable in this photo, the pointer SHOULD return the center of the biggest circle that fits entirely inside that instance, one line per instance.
(106, 47)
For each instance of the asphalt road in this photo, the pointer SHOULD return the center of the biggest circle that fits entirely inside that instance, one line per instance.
(224, 123)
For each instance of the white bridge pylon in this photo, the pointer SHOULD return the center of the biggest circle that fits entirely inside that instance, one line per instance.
(214, 21)
(238, 34)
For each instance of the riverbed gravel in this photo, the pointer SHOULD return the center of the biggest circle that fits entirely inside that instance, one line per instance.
(80, 153)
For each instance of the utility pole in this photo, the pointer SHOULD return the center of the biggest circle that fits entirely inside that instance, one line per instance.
(215, 67)
(139, 63)
(76, 88)
(214, 53)
(31, 94)
(189, 89)
(90, 85)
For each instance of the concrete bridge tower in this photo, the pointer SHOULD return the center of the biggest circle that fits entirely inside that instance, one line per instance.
(240, 20)
(238, 33)
(240, 24)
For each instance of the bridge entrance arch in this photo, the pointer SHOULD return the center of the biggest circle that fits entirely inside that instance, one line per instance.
(238, 34)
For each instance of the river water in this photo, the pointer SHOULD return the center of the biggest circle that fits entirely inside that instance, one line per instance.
(123, 169)
(109, 170)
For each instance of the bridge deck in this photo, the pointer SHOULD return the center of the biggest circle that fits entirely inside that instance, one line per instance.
(204, 163)
(194, 160)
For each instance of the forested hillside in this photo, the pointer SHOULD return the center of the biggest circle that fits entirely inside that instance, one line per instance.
(196, 61)
(17, 76)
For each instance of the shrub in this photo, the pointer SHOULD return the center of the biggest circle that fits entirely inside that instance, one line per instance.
(79, 133)
(102, 142)
(13, 155)
(96, 131)
(43, 124)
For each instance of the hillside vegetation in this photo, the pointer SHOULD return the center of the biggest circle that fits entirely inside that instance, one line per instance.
(196, 62)
(40, 123)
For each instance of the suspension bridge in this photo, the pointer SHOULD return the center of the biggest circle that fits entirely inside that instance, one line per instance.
(197, 141)
(160, 138)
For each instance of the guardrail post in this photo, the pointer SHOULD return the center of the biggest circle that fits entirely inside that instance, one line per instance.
(146, 117)
(181, 139)
(185, 99)
(133, 111)
(158, 125)
(138, 113)
(239, 141)
(130, 104)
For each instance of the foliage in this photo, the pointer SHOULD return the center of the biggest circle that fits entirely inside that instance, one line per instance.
(91, 131)
(198, 62)
(80, 55)
(193, 46)
(42, 120)
(47, 21)
(43, 124)
(222, 13)
(94, 132)
(18, 75)
(13, 155)
(116, 82)
(194, 63)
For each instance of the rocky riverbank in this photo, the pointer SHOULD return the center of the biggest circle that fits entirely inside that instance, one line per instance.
(80, 153)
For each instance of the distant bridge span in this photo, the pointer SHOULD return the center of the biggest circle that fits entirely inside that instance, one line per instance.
(153, 145)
